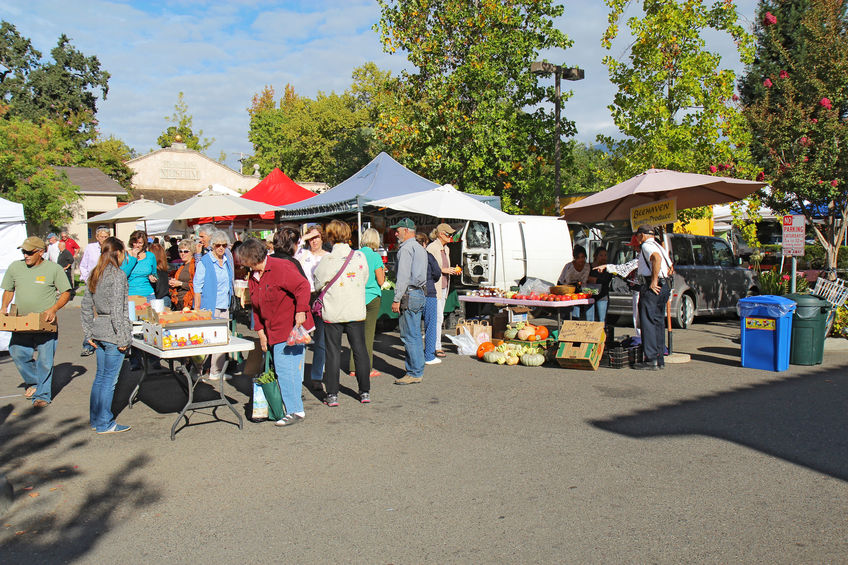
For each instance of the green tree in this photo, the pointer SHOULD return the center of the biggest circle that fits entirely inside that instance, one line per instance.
(325, 139)
(17, 59)
(182, 121)
(459, 115)
(109, 155)
(798, 113)
(674, 103)
(28, 151)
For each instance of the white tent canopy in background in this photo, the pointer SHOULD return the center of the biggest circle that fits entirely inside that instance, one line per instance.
(132, 211)
(12, 234)
(219, 188)
(723, 217)
(444, 202)
(212, 204)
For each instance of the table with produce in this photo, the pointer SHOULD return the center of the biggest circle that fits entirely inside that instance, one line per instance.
(178, 337)
(557, 298)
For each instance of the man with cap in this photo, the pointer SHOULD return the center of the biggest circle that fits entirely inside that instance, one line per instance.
(441, 237)
(655, 272)
(53, 247)
(35, 283)
(409, 298)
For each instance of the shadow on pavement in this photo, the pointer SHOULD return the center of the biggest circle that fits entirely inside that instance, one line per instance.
(64, 373)
(799, 419)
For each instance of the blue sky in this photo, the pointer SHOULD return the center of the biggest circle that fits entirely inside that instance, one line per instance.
(221, 53)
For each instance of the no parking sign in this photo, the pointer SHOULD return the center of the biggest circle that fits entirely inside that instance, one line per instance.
(793, 235)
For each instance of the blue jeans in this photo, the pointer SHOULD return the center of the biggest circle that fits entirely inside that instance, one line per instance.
(585, 312)
(109, 362)
(319, 351)
(35, 372)
(288, 364)
(431, 305)
(410, 333)
(601, 309)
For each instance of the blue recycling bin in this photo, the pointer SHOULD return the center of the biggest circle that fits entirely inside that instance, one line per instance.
(766, 331)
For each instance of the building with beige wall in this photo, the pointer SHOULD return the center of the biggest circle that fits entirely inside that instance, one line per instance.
(175, 173)
(98, 193)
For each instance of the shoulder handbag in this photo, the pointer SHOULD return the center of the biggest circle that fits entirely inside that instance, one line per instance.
(318, 304)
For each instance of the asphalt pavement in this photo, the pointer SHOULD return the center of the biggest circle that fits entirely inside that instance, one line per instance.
(703, 462)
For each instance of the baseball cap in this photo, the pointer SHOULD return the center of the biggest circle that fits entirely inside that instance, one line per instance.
(51, 234)
(32, 243)
(404, 223)
(645, 228)
(444, 228)
(634, 241)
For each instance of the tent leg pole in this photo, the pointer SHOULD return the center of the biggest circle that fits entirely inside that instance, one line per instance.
(358, 227)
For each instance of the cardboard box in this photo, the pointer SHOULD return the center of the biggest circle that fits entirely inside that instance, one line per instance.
(580, 345)
(34, 322)
(499, 322)
(518, 314)
(183, 335)
(169, 317)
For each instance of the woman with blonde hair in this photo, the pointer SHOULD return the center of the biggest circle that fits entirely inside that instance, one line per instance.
(341, 277)
(373, 291)
(107, 328)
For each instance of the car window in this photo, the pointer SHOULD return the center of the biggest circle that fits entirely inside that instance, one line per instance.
(722, 255)
(619, 252)
(477, 235)
(681, 251)
(701, 252)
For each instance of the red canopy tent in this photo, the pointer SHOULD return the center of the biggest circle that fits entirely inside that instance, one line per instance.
(276, 189)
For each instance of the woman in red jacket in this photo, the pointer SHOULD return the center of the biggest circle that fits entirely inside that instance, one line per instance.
(279, 294)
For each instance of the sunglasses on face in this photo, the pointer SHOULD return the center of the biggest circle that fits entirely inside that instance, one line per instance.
(217, 245)
(185, 251)
(29, 253)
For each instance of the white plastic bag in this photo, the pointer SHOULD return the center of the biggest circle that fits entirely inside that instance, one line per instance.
(465, 344)
(535, 285)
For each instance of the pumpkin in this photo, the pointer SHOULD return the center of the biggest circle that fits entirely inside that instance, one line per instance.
(484, 347)
(510, 333)
(525, 333)
(542, 332)
(532, 359)
(497, 342)
(492, 356)
(512, 359)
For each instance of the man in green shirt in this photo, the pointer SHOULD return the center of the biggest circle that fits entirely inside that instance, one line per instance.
(35, 284)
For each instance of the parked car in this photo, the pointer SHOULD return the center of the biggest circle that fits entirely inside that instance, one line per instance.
(708, 279)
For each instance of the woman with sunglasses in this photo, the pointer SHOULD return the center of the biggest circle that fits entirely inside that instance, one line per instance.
(213, 289)
(182, 285)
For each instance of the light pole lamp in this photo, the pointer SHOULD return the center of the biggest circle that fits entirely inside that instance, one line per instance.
(560, 72)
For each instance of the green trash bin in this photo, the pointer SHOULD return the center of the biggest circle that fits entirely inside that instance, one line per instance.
(808, 329)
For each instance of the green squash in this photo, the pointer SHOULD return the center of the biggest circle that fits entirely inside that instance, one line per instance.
(532, 359)
(492, 356)
(510, 333)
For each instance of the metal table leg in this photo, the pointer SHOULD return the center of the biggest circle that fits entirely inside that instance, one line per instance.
(192, 405)
(144, 369)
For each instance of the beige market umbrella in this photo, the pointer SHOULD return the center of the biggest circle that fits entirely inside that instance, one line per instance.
(132, 211)
(211, 205)
(690, 189)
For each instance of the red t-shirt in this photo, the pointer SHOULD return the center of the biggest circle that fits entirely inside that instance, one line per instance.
(277, 296)
(71, 246)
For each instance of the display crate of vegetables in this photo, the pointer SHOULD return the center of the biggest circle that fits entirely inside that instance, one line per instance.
(525, 332)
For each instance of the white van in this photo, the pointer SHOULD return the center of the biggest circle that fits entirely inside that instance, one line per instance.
(502, 255)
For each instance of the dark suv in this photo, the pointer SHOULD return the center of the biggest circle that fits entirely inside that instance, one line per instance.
(708, 278)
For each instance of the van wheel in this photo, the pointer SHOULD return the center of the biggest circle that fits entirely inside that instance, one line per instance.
(685, 314)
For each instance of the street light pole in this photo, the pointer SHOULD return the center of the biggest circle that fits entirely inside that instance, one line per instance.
(560, 72)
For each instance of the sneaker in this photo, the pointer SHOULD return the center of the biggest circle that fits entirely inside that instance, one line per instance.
(375, 373)
(86, 352)
(332, 400)
(289, 420)
(364, 397)
(115, 429)
(433, 361)
(212, 377)
(408, 380)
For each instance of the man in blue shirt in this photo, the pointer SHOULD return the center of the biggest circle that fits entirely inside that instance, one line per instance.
(409, 299)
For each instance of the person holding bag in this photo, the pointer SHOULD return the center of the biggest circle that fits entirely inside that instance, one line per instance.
(279, 294)
(107, 328)
(341, 277)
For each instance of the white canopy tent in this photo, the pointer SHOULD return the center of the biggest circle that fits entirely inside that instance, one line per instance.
(444, 202)
(12, 234)
(723, 217)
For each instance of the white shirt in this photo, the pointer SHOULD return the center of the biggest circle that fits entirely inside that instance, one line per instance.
(53, 252)
(570, 275)
(649, 247)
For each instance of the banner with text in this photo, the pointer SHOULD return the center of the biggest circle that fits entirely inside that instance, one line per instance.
(657, 213)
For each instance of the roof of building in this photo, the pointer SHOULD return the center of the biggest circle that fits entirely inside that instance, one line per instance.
(92, 181)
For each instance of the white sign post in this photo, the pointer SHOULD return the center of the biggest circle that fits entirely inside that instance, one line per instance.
(794, 230)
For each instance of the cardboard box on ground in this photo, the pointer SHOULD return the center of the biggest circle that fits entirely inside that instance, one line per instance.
(580, 345)
(506, 316)
(34, 322)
